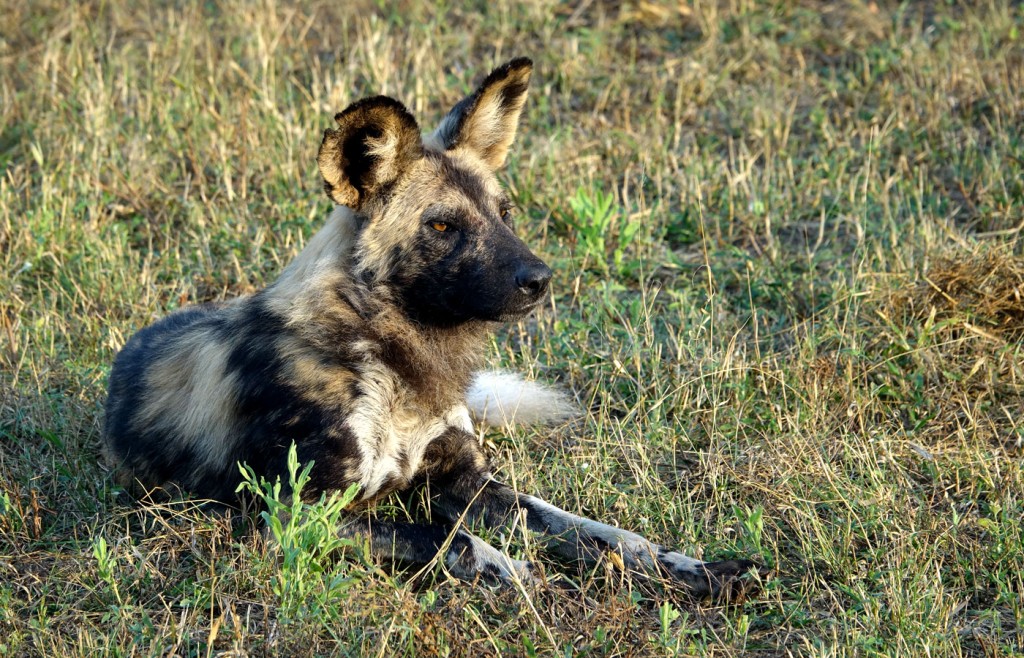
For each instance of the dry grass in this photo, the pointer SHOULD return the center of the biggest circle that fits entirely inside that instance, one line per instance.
(985, 289)
(787, 239)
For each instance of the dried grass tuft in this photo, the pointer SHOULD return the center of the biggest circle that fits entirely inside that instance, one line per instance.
(961, 326)
(985, 290)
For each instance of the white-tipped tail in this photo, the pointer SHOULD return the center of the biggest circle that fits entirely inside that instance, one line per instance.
(503, 398)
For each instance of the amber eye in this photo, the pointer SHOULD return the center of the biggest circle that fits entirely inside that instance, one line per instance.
(505, 213)
(439, 226)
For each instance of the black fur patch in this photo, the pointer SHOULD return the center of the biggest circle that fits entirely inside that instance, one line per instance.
(454, 456)
(275, 413)
(465, 181)
(510, 94)
(360, 166)
(469, 272)
(449, 136)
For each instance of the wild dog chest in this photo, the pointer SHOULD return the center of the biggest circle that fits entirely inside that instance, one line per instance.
(392, 431)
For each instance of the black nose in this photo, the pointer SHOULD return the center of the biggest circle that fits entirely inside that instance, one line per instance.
(533, 278)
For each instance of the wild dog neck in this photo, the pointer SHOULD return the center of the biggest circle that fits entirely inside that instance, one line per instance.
(329, 248)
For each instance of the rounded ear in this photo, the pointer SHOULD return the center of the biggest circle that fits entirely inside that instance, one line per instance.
(375, 142)
(485, 122)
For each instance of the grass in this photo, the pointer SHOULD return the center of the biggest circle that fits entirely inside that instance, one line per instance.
(789, 279)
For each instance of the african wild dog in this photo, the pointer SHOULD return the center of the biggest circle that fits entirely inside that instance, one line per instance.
(363, 351)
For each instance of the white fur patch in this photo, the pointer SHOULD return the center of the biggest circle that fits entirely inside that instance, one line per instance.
(459, 417)
(392, 434)
(503, 398)
(484, 558)
(634, 549)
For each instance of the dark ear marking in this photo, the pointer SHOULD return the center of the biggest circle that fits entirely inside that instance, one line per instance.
(375, 142)
(485, 122)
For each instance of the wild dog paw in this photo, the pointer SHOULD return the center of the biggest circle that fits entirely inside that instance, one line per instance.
(511, 572)
(492, 565)
(725, 578)
(475, 559)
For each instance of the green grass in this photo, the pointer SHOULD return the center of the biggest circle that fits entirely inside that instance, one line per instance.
(789, 285)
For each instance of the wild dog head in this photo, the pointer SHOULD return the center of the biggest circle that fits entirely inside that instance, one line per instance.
(435, 226)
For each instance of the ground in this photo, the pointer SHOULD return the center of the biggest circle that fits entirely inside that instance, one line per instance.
(789, 290)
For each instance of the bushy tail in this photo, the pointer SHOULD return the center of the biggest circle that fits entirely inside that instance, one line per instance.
(503, 398)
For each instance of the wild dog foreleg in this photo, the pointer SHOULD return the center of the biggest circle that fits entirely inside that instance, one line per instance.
(465, 555)
(463, 488)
